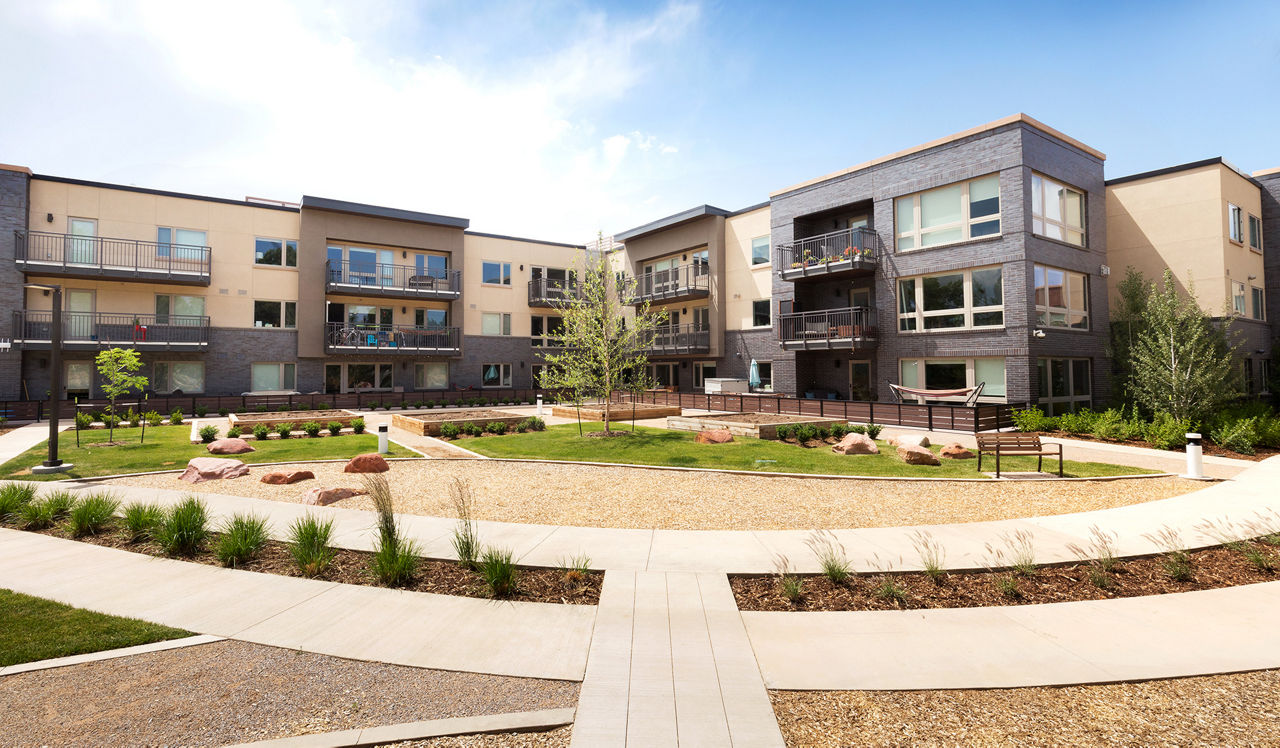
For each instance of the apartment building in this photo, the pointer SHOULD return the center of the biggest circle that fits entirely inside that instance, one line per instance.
(1203, 221)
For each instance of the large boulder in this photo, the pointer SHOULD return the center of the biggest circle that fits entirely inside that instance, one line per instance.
(917, 455)
(907, 439)
(229, 447)
(284, 477)
(201, 469)
(367, 463)
(322, 496)
(856, 444)
(714, 436)
(956, 451)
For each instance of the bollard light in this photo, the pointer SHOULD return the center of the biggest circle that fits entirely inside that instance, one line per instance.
(1195, 458)
(382, 438)
(539, 413)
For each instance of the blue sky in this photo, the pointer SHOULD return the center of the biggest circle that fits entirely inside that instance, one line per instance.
(557, 119)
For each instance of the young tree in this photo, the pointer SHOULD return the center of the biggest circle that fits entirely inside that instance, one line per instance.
(1128, 321)
(604, 346)
(117, 367)
(1182, 361)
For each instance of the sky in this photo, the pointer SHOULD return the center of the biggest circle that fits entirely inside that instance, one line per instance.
(556, 120)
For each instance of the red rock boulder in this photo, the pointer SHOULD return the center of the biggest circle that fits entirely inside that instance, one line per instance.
(367, 463)
(201, 469)
(229, 447)
(856, 444)
(956, 451)
(284, 477)
(322, 496)
(714, 436)
(914, 455)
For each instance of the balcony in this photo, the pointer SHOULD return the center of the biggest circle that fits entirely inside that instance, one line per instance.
(674, 340)
(678, 284)
(549, 293)
(95, 257)
(844, 252)
(851, 327)
(346, 278)
(392, 339)
(91, 330)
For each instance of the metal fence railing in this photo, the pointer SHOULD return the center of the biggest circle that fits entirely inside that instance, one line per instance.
(50, 252)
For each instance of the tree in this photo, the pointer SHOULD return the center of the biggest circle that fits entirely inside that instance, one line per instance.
(604, 345)
(1128, 320)
(1182, 362)
(117, 367)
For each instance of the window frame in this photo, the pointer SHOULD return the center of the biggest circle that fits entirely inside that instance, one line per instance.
(700, 375)
(284, 314)
(504, 324)
(763, 379)
(168, 376)
(1239, 300)
(970, 373)
(965, 223)
(504, 376)
(1048, 310)
(420, 375)
(768, 251)
(918, 315)
(1044, 379)
(755, 312)
(504, 273)
(1235, 224)
(166, 318)
(285, 246)
(167, 248)
(281, 367)
(546, 339)
(1258, 297)
(1061, 221)
(1255, 233)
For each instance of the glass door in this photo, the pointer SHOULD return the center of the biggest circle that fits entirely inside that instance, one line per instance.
(332, 379)
(81, 243)
(362, 266)
(79, 317)
(860, 380)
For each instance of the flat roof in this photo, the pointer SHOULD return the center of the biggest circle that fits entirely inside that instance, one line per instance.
(1180, 167)
(1266, 172)
(14, 167)
(525, 239)
(162, 193)
(1011, 119)
(671, 220)
(379, 211)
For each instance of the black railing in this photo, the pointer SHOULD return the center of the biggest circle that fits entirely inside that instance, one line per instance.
(82, 329)
(68, 253)
(681, 339)
(392, 338)
(834, 252)
(827, 328)
(686, 281)
(547, 292)
(402, 279)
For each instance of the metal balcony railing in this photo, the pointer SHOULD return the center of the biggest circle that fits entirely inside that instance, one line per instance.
(380, 278)
(838, 251)
(827, 328)
(674, 339)
(686, 281)
(392, 338)
(548, 292)
(47, 252)
(88, 329)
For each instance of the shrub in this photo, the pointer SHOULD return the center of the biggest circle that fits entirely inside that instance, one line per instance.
(496, 427)
(522, 426)
(395, 558)
(473, 429)
(131, 416)
(14, 496)
(261, 409)
(784, 432)
(806, 433)
(1167, 432)
(449, 430)
(175, 418)
(889, 589)
(1007, 584)
(499, 572)
(110, 420)
(312, 429)
(838, 430)
(92, 513)
(153, 418)
(1240, 435)
(537, 424)
(141, 520)
(823, 432)
(208, 433)
(36, 515)
(1269, 432)
(357, 425)
(790, 585)
(1113, 425)
(857, 428)
(335, 428)
(242, 538)
(284, 430)
(874, 429)
(60, 503)
(83, 420)
(184, 529)
(1032, 419)
(309, 544)
(1079, 422)
(234, 432)
(223, 412)
(261, 431)
(201, 411)
(322, 406)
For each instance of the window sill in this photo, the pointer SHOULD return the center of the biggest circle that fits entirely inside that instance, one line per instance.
(1235, 242)
(1256, 251)
(293, 269)
(950, 245)
(1060, 242)
(1047, 329)
(987, 328)
(496, 285)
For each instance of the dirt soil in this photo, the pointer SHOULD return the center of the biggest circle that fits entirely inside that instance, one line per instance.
(765, 418)
(352, 567)
(458, 415)
(1211, 568)
(293, 415)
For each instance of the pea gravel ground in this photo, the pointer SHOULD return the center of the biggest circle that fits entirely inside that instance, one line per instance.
(596, 496)
(1238, 709)
(232, 692)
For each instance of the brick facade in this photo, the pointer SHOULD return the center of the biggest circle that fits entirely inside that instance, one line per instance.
(14, 186)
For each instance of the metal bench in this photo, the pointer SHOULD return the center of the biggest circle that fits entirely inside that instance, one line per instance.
(1016, 444)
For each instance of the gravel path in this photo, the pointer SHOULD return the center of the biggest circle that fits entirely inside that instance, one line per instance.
(558, 738)
(594, 496)
(1238, 709)
(230, 692)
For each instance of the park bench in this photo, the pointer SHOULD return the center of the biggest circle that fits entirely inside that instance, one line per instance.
(1016, 444)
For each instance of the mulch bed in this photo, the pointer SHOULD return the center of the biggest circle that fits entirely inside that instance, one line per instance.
(1211, 568)
(1210, 448)
(461, 415)
(536, 585)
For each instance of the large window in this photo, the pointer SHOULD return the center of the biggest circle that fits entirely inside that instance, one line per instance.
(495, 273)
(701, 262)
(174, 309)
(1065, 384)
(948, 301)
(1057, 211)
(270, 377)
(760, 250)
(1255, 233)
(178, 377)
(79, 380)
(431, 375)
(275, 314)
(765, 368)
(702, 371)
(1235, 223)
(546, 330)
(180, 244)
(954, 374)
(495, 375)
(1237, 299)
(954, 213)
(278, 252)
(495, 323)
(1259, 303)
(431, 319)
(1062, 298)
(760, 313)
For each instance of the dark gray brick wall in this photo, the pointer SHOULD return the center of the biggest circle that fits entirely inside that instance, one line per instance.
(1271, 247)
(478, 350)
(13, 217)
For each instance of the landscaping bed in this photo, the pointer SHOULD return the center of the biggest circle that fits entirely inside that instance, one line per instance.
(617, 411)
(246, 421)
(428, 423)
(753, 425)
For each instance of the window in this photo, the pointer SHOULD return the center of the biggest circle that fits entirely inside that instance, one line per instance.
(760, 313)
(269, 377)
(1237, 298)
(701, 317)
(546, 330)
(495, 273)
(760, 250)
(1255, 233)
(173, 309)
(364, 376)
(368, 316)
(431, 375)
(278, 252)
(1065, 384)
(1234, 223)
(180, 244)
(948, 301)
(275, 314)
(1062, 298)
(954, 213)
(703, 370)
(954, 374)
(79, 378)
(495, 375)
(1259, 303)
(493, 323)
(701, 262)
(1057, 211)
(178, 377)
(765, 368)
(1264, 376)
(430, 319)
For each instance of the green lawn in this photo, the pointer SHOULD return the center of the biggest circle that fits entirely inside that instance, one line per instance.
(650, 446)
(169, 448)
(35, 629)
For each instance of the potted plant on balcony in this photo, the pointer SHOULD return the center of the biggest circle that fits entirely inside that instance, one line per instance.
(139, 331)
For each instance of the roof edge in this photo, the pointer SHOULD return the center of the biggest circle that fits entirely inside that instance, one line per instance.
(380, 211)
(16, 168)
(671, 220)
(161, 193)
(1216, 160)
(1266, 172)
(525, 239)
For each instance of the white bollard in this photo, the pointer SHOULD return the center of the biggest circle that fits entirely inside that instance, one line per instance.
(539, 413)
(1195, 458)
(382, 439)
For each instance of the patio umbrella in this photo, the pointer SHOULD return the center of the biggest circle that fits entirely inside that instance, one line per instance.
(753, 375)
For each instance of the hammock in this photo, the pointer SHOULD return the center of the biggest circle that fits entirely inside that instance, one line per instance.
(970, 394)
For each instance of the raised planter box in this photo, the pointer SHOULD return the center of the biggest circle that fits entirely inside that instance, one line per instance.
(246, 421)
(754, 425)
(618, 412)
(427, 423)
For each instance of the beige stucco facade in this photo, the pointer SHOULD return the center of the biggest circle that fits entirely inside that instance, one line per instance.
(745, 282)
(480, 298)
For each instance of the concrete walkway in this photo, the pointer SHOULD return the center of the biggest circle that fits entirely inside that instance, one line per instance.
(21, 439)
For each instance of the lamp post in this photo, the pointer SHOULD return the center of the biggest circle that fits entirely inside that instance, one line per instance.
(53, 464)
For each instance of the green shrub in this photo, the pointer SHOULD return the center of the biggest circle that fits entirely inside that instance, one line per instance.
(311, 429)
(335, 428)
(92, 513)
(60, 503)
(223, 412)
(449, 430)
(36, 515)
(823, 432)
(499, 572)
(357, 425)
(284, 430)
(131, 416)
(1167, 432)
(1269, 432)
(466, 542)
(472, 429)
(153, 418)
(1032, 419)
(1113, 425)
(14, 496)
(261, 409)
(208, 433)
(785, 432)
(806, 433)
(175, 418)
(201, 411)
(1079, 422)
(874, 429)
(261, 431)
(141, 520)
(857, 428)
(839, 430)
(242, 538)
(395, 559)
(1238, 436)
(184, 529)
(83, 420)
(234, 432)
(537, 424)
(322, 406)
(309, 544)
(496, 427)
(110, 420)
(522, 426)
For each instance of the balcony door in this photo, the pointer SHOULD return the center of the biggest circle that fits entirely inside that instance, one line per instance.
(860, 380)
(660, 276)
(79, 316)
(434, 266)
(80, 245)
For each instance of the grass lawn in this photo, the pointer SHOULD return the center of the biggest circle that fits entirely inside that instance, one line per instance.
(169, 447)
(650, 446)
(35, 629)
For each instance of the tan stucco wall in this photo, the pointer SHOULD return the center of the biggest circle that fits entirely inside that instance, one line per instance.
(744, 282)
(478, 298)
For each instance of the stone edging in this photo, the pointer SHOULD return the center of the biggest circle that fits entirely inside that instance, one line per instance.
(109, 654)
(542, 719)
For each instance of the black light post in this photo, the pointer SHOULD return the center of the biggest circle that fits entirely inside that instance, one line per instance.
(53, 464)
